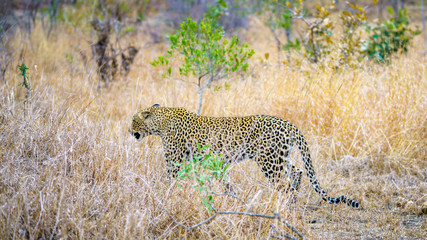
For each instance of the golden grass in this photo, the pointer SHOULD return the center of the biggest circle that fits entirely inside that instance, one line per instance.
(69, 169)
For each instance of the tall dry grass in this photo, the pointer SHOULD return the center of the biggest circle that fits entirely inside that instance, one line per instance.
(69, 169)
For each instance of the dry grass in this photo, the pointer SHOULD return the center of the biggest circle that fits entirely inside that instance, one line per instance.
(69, 169)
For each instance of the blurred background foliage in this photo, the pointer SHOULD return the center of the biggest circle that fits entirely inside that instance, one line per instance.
(349, 31)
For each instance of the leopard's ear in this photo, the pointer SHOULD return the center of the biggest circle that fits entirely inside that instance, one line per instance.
(144, 114)
(156, 105)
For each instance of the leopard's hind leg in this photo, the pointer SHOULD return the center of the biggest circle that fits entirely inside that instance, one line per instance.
(294, 175)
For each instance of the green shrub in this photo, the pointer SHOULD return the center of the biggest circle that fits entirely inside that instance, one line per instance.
(23, 69)
(202, 169)
(392, 36)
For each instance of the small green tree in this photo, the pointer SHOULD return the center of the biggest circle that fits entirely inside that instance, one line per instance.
(205, 53)
(202, 168)
(279, 16)
(392, 36)
(23, 69)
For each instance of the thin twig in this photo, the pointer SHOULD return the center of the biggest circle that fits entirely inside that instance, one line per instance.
(289, 225)
(234, 196)
(280, 234)
(275, 232)
(202, 75)
(247, 214)
(194, 226)
(185, 81)
(115, 55)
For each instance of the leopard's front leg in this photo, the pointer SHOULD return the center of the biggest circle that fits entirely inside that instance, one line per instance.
(172, 158)
(174, 155)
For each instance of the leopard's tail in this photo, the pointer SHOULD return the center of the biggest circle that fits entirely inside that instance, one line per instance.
(305, 155)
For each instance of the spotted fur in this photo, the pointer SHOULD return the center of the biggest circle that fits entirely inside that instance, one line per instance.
(267, 140)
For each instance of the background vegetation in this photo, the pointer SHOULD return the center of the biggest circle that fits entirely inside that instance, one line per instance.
(69, 169)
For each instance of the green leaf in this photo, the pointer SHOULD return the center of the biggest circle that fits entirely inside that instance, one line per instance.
(390, 11)
(129, 29)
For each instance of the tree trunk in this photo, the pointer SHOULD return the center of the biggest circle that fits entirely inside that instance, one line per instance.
(201, 89)
(395, 6)
(200, 101)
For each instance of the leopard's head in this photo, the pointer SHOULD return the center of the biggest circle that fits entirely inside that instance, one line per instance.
(147, 122)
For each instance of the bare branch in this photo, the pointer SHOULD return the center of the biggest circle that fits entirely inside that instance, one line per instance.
(234, 196)
(247, 214)
(182, 80)
(219, 213)
(289, 225)
(194, 226)
(279, 234)
(251, 214)
(202, 75)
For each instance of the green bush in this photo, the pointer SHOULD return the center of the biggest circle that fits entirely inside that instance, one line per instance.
(392, 36)
(23, 69)
(202, 169)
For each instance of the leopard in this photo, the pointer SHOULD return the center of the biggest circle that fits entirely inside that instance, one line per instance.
(267, 140)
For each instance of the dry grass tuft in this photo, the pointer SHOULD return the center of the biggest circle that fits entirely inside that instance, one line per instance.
(69, 169)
